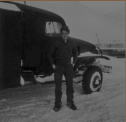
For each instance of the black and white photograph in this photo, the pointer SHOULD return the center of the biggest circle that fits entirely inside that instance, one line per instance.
(62, 61)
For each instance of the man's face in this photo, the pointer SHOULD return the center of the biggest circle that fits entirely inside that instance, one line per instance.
(64, 34)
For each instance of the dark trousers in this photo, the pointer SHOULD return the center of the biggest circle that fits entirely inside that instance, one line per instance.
(67, 71)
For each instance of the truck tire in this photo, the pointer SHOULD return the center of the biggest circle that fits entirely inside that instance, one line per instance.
(92, 80)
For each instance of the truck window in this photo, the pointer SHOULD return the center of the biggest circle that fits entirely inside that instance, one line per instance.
(53, 28)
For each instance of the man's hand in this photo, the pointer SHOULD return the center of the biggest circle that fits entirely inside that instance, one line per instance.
(73, 64)
(53, 66)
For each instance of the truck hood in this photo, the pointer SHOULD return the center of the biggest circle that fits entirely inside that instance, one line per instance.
(85, 46)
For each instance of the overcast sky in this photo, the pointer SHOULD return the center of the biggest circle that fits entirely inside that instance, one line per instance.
(109, 24)
(104, 7)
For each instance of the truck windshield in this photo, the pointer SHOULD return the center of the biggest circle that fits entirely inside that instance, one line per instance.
(53, 28)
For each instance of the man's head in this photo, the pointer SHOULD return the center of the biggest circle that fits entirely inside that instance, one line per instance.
(65, 32)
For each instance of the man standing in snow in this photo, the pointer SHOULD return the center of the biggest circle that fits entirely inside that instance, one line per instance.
(59, 57)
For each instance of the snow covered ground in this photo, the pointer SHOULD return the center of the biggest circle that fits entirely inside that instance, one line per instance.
(34, 103)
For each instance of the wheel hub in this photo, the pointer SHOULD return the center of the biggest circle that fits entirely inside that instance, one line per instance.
(97, 81)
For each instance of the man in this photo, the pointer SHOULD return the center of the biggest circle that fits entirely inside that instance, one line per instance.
(59, 57)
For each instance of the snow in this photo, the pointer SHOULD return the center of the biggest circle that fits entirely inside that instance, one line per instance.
(34, 103)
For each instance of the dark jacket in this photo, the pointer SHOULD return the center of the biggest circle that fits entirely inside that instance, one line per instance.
(61, 52)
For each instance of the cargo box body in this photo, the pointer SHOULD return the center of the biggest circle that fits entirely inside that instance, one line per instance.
(10, 48)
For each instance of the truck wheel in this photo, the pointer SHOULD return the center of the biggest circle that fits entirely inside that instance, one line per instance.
(92, 80)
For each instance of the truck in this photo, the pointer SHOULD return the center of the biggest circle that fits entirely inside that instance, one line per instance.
(26, 34)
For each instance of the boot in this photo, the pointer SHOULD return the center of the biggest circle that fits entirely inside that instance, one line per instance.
(57, 107)
(72, 106)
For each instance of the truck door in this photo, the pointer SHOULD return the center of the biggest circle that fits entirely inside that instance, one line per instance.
(52, 32)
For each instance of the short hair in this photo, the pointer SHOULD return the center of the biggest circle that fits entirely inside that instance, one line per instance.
(65, 28)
